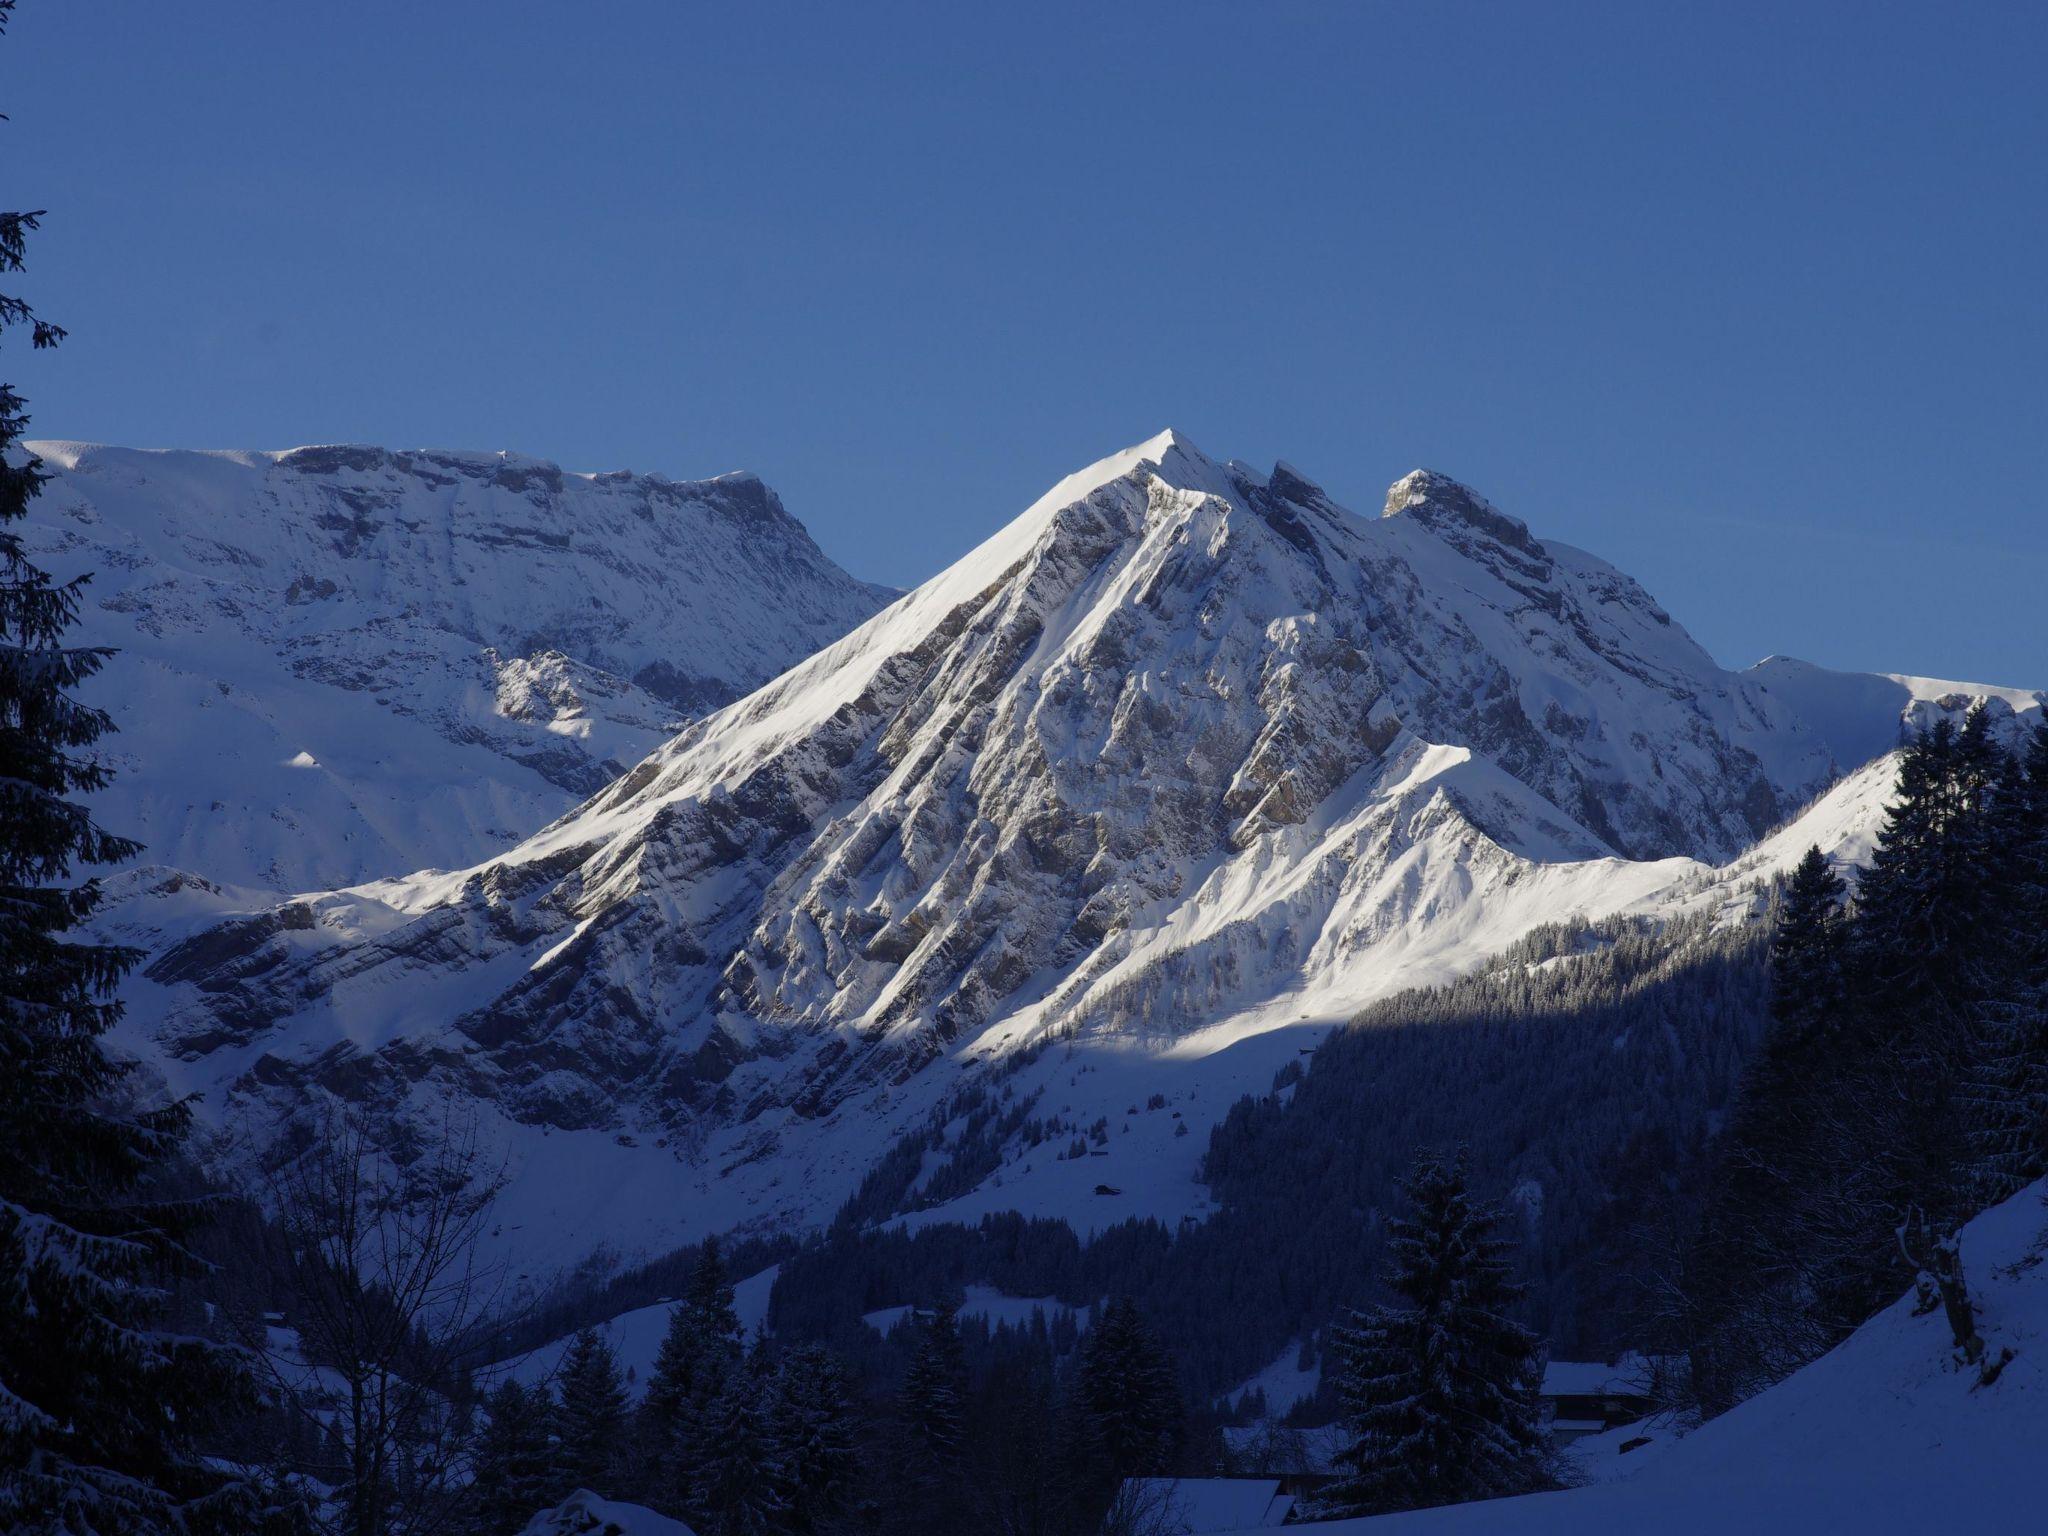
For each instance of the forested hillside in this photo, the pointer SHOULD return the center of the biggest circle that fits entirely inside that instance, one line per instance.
(1584, 1069)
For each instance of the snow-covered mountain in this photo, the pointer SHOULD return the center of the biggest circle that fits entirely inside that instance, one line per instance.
(1181, 767)
(345, 662)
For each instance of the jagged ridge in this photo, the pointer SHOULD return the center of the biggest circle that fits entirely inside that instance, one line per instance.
(1182, 745)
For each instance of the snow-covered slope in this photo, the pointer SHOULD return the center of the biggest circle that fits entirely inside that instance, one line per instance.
(1886, 1434)
(1183, 765)
(635, 1337)
(1860, 714)
(344, 662)
(583, 1513)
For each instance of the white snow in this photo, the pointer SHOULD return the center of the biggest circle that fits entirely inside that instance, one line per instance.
(1858, 714)
(452, 638)
(1884, 1436)
(1284, 1383)
(989, 1304)
(635, 1337)
(1143, 796)
(1173, 1506)
(583, 1513)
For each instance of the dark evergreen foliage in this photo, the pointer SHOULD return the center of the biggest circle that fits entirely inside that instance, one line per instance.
(933, 1387)
(1020, 1467)
(1125, 1416)
(591, 1421)
(1439, 1387)
(700, 1349)
(923, 1489)
(514, 1467)
(1807, 981)
(102, 1408)
(738, 1477)
(814, 1428)
(1903, 1082)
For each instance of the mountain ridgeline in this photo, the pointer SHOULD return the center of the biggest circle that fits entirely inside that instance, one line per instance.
(344, 662)
(1184, 759)
(1044, 988)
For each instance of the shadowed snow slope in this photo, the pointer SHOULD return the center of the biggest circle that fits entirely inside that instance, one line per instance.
(583, 1513)
(344, 662)
(1884, 1435)
(1182, 761)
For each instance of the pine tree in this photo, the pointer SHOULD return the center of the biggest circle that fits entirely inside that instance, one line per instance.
(703, 1338)
(1900, 1083)
(816, 1440)
(1754, 1261)
(2028, 826)
(1932, 878)
(699, 1349)
(1126, 1403)
(2004, 1093)
(923, 1484)
(100, 1408)
(515, 1460)
(1930, 967)
(1024, 1473)
(933, 1387)
(738, 1485)
(592, 1418)
(1806, 954)
(1439, 1388)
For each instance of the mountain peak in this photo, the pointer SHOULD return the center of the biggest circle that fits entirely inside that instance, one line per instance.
(1290, 484)
(1444, 504)
(1184, 750)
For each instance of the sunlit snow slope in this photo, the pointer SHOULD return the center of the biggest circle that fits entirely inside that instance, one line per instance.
(344, 662)
(1179, 768)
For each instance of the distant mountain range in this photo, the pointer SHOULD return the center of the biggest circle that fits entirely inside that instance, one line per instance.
(338, 663)
(1176, 771)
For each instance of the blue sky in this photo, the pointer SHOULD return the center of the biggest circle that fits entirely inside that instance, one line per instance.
(1749, 301)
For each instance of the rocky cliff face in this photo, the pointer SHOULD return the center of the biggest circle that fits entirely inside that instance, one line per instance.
(1185, 754)
(345, 662)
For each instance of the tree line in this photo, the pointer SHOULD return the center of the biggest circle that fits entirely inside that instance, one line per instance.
(763, 1438)
(1584, 1069)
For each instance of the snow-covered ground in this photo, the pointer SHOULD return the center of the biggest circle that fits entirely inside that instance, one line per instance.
(583, 1513)
(1885, 1436)
(1857, 713)
(989, 1304)
(635, 1337)
(1283, 1383)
